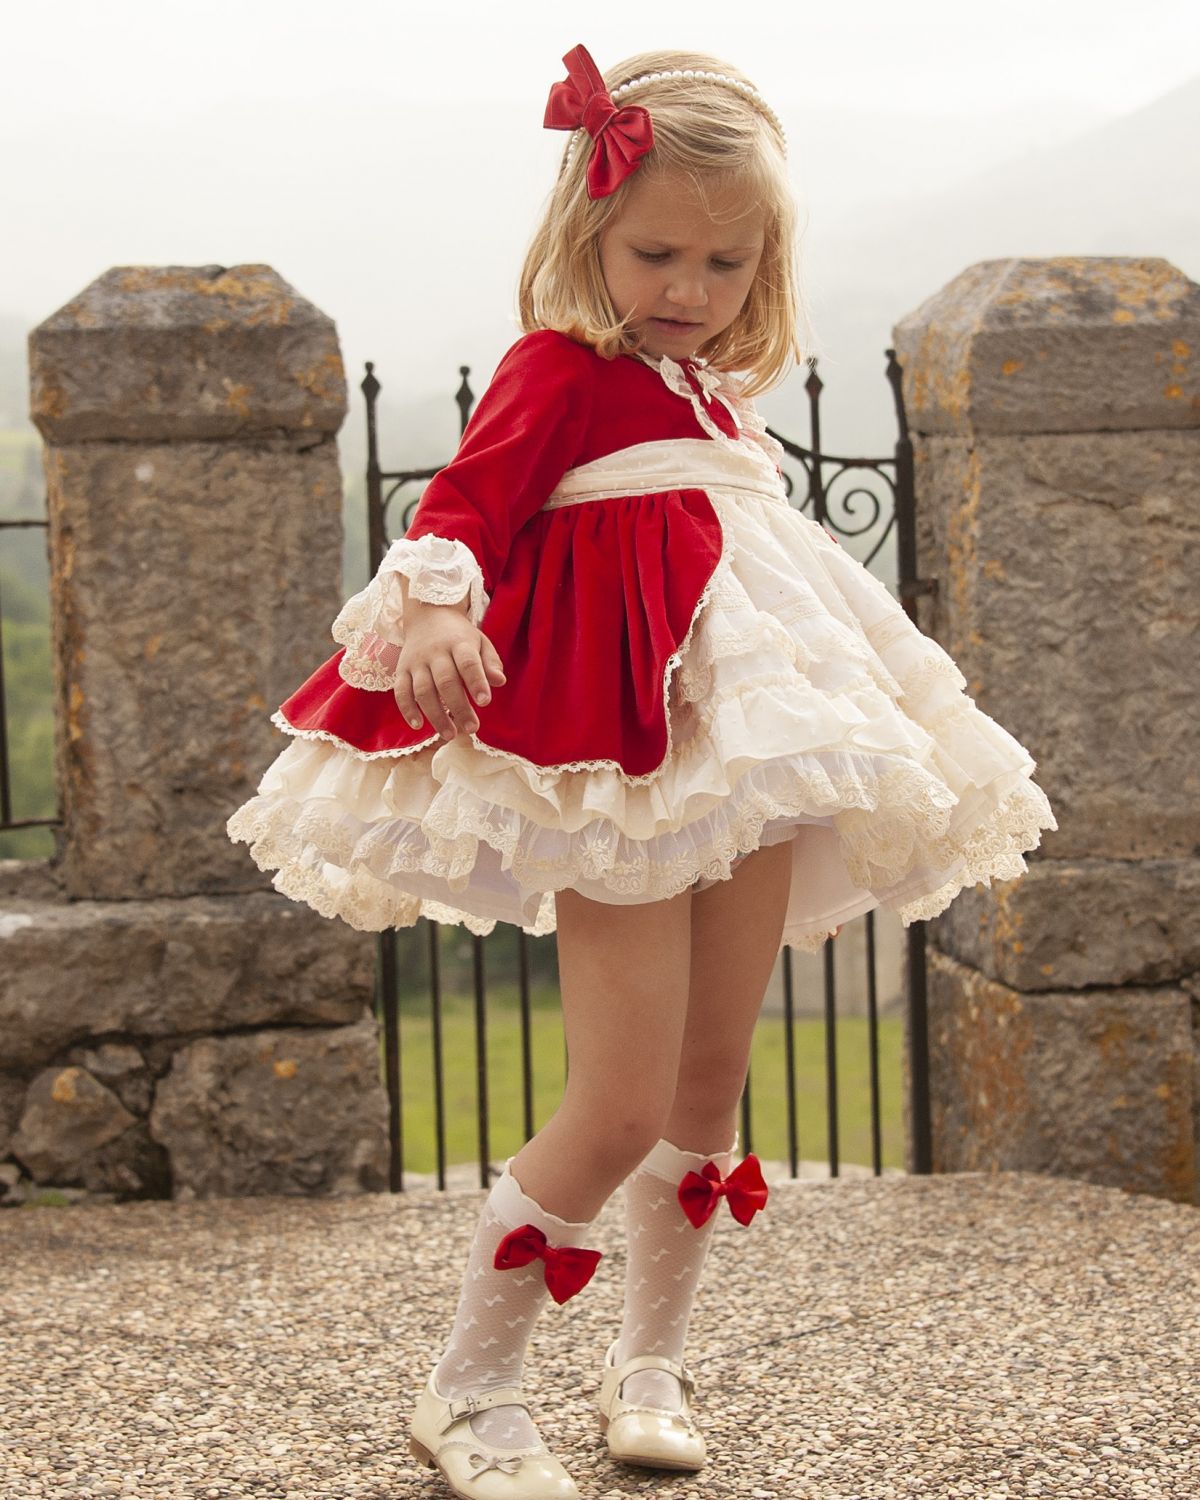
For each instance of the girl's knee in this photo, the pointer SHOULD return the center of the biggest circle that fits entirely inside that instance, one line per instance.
(634, 1132)
(618, 1134)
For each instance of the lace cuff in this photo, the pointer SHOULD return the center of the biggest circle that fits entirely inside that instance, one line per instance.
(440, 570)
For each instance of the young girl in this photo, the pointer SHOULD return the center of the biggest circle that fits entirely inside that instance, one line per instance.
(613, 684)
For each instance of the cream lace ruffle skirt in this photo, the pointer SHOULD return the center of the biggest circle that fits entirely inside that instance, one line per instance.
(804, 706)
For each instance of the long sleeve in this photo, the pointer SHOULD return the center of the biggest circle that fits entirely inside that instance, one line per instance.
(526, 431)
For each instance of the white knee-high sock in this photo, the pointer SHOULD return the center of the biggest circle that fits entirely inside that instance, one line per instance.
(497, 1309)
(667, 1254)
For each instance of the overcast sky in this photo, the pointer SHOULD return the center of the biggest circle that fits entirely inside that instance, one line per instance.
(158, 59)
(387, 157)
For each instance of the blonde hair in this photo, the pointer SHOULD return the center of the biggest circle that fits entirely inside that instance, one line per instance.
(722, 140)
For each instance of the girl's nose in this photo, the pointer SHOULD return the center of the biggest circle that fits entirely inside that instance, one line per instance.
(688, 291)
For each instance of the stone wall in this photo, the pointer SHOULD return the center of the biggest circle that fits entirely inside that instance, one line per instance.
(1055, 411)
(171, 1026)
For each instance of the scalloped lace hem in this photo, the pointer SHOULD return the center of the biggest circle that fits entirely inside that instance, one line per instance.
(346, 867)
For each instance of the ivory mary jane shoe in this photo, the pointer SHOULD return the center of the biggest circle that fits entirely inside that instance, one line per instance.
(640, 1434)
(441, 1437)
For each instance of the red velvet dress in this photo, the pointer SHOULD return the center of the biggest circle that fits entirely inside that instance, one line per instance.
(694, 669)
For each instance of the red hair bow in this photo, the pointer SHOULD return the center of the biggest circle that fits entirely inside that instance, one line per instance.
(622, 136)
(568, 1270)
(744, 1188)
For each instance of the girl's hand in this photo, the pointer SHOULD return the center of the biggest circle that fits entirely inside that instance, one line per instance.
(444, 664)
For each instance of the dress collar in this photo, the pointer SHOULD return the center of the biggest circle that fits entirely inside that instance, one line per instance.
(750, 427)
(674, 372)
(683, 377)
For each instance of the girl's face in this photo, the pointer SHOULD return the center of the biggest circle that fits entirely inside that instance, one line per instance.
(684, 271)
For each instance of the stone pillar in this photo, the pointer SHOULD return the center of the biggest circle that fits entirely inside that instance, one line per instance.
(163, 1034)
(194, 495)
(1055, 411)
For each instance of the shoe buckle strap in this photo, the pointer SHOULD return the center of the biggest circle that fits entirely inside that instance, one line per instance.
(658, 1362)
(458, 1407)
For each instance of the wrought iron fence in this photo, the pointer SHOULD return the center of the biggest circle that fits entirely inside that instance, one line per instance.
(823, 471)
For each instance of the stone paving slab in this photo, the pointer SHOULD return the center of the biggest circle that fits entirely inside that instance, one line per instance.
(957, 1337)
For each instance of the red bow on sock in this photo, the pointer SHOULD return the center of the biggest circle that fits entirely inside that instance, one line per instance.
(568, 1269)
(622, 136)
(744, 1188)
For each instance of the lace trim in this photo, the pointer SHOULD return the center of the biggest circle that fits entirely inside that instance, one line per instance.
(675, 379)
(285, 834)
(886, 632)
(358, 898)
(769, 632)
(752, 425)
(392, 753)
(301, 842)
(933, 669)
(373, 909)
(994, 850)
(441, 570)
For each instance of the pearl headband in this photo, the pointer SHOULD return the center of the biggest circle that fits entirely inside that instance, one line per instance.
(734, 83)
(746, 89)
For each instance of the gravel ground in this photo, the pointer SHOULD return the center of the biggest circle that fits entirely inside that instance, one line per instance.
(949, 1337)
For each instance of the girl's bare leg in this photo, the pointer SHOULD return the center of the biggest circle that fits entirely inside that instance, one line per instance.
(624, 974)
(737, 926)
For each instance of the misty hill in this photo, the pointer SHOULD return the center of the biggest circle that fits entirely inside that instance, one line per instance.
(1125, 187)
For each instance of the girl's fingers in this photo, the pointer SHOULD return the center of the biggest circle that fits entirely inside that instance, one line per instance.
(446, 687)
(493, 667)
(452, 691)
(402, 691)
(429, 698)
(470, 664)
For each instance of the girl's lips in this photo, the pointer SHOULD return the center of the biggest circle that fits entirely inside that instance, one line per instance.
(675, 324)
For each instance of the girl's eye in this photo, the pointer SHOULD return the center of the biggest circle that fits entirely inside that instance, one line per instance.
(656, 257)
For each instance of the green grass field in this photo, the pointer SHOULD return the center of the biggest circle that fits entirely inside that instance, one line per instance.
(768, 1084)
